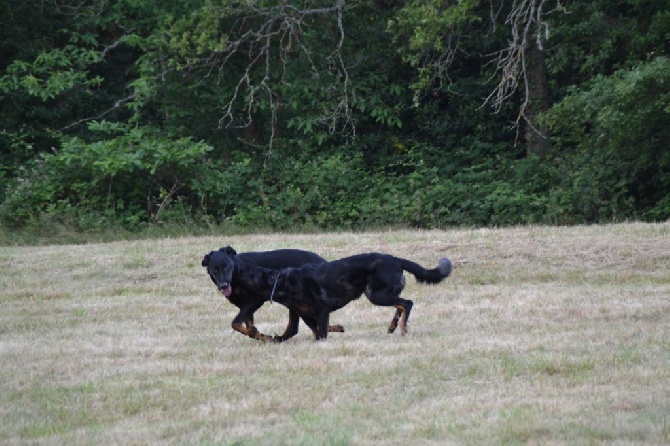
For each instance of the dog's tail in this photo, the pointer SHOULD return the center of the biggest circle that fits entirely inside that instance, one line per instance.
(435, 275)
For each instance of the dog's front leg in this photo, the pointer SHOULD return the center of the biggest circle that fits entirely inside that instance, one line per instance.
(312, 324)
(291, 328)
(249, 321)
(322, 325)
(241, 325)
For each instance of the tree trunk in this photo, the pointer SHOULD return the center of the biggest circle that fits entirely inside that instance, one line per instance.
(536, 135)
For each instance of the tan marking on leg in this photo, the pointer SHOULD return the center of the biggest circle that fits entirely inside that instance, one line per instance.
(253, 333)
(394, 321)
(403, 319)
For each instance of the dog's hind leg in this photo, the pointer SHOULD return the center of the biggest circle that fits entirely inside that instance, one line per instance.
(394, 321)
(387, 298)
(406, 308)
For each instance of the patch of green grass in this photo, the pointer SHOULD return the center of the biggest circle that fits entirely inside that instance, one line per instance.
(520, 425)
(320, 429)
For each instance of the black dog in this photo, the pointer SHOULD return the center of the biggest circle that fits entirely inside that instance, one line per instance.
(316, 290)
(225, 267)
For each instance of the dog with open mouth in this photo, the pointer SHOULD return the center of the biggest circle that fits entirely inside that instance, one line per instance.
(225, 267)
(316, 290)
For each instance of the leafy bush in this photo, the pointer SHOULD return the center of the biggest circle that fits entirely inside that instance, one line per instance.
(140, 177)
(128, 178)
(613, 142)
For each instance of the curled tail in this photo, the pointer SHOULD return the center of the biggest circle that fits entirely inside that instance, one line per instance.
(435, 275)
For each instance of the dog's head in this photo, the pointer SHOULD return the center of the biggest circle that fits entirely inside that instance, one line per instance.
(220, 267)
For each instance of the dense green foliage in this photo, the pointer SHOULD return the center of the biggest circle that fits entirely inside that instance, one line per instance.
(342, 114)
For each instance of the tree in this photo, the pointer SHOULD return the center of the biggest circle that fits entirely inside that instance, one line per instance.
(248, 49)
(522, 65)
(438, 36)
(331, 113)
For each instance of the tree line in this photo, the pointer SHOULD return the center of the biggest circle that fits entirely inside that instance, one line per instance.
(333, 113)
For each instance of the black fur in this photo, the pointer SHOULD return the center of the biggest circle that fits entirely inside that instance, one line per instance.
(316, 290)
(225, 268)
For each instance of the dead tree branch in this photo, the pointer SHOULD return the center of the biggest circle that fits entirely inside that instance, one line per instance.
(511, 61)
(118, 104)
(267, 38)
(528, 27)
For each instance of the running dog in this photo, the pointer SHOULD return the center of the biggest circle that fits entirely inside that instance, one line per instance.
(226, 266)
(316, 290)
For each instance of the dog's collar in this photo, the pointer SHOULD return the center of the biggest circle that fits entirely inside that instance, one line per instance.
(274, 287)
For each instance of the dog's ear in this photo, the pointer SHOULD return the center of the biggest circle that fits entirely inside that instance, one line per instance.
(229, 250)
(205, 260)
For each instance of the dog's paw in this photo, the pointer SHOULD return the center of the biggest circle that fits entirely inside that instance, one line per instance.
(336, 328)
(393, 326)
(254, 333)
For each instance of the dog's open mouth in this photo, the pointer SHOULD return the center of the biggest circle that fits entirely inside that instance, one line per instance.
(227, 291)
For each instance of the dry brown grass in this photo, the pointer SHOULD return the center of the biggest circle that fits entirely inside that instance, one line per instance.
(542, 335)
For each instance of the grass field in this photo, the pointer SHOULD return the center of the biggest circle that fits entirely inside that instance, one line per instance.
(542, 335)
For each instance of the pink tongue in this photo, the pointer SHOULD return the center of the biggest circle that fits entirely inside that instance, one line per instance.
(227, 291)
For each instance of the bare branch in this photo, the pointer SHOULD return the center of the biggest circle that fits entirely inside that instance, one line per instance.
(118, 104)
(343, 108)
(76, 6)
(524, 19)
(267, 37)
(115, 44)
(166, 200)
